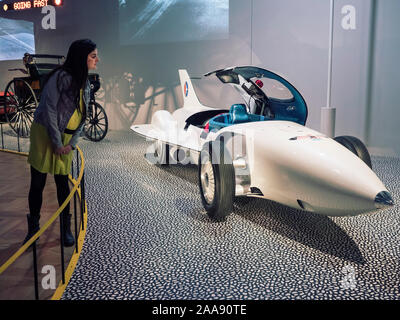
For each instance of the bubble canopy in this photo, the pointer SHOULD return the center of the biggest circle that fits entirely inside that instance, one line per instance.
(268, 87)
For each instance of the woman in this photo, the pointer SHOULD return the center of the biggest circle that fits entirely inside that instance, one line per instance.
(58, 122)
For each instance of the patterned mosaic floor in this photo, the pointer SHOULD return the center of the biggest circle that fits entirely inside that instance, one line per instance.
(148, 238)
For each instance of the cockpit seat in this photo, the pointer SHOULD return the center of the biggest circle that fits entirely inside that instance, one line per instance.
(237, 114)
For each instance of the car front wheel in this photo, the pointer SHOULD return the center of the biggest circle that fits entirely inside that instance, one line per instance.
(216, 180)
(161, 153)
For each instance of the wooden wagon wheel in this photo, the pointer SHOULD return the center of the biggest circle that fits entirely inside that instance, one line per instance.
(96, 125)
(19, 105)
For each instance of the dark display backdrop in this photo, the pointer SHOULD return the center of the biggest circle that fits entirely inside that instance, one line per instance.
(151, 22)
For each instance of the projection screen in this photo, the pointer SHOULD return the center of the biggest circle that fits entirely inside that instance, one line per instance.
(161, 21)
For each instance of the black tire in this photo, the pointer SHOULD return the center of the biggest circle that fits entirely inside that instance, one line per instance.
(161, 153)
(216, 173)
(19, 105)
(96, 125)
(356, 146)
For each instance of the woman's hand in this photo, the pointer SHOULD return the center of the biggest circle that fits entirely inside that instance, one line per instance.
(63, 150)
(67, 149)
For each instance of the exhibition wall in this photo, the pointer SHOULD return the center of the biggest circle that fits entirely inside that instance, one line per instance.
(142, 44)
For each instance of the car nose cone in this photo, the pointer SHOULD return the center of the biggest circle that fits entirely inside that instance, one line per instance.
(383, 199)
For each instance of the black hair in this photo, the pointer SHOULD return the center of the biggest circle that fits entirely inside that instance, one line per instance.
(76, 62)
(76, 66)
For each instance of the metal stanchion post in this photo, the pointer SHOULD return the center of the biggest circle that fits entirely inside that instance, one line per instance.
(83, 198)
(2, 137)
(77, 164)
(328, 114)
(35, 271)
(75, 224)
(62, 248)
(75, 216)
(78, 170)
(19, 149)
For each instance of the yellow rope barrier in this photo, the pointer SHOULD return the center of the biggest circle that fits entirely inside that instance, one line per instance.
(76, 188)
(16, 152)
(74, 259)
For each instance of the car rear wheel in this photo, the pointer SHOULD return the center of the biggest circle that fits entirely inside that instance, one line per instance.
(356, 146)
(216, 180)
(161, 153)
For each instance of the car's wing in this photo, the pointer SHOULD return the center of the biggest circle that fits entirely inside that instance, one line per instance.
(146, 131)
(188, 139)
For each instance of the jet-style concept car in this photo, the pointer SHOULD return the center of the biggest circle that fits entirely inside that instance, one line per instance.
(262, 149)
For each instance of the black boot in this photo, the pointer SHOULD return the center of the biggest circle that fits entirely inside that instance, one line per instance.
(69, 240)
(33, 226)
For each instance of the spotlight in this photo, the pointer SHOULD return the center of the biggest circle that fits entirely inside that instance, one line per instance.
(58, 2)
(5, 7)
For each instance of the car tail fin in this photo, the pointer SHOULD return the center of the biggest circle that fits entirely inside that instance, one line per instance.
(190, 99)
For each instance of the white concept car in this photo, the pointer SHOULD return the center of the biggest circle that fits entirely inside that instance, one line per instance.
(262, 149)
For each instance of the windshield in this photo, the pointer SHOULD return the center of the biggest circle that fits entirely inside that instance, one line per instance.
(274, 92)
(273, 89)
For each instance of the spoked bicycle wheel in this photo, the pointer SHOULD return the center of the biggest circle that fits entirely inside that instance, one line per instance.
(19, 105)
(96, 125)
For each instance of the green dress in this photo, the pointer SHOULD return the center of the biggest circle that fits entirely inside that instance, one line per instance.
(41, 151)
